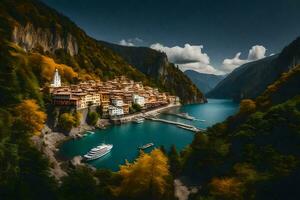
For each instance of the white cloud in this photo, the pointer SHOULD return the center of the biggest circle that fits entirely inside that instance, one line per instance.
(199, 67)
(188, 57)
(131, 42)
(126, 43)
(255, 53)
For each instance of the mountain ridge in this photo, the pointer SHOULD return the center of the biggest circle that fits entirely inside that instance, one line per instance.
(204, 82)
(251, 79)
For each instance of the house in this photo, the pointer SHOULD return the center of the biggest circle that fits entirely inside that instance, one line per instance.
(117, 102)
(115, 111)
(138, 100)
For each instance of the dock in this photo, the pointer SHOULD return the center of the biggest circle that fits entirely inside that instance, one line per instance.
(178, 124)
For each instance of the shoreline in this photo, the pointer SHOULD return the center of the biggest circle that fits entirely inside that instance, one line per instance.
(131, 117)
(50, 141)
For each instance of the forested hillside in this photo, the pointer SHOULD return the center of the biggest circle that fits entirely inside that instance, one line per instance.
(254, 154)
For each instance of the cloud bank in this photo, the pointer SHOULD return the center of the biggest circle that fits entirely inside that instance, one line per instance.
(188, 57)
(131, 42)
(255, 53)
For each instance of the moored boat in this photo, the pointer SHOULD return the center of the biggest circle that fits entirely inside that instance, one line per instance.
(139, 120)
(98, 152)
(146, 146)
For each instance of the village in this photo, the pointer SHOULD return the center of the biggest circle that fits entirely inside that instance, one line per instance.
(115, 98)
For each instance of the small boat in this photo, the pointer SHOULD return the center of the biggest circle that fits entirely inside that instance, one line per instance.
(194, 129)
(98, 152)
(139, 120)
(91, 132)
(185, 116)
(146, 146)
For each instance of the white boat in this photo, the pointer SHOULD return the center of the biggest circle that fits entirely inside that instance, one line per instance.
(186, 116)
(139, 120)
(91, 132)
(146, 146)
(98, 152)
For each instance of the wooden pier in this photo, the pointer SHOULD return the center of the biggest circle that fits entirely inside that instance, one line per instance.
(178, 124)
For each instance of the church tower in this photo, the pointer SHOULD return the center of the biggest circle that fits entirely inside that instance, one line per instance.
(56, 79)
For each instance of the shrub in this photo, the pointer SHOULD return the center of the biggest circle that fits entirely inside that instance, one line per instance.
(92, 118)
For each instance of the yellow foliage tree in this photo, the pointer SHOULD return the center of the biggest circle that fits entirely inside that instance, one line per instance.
(226, 188)
(28, 111)
(48, 66)
(247, 106)
(145, 178)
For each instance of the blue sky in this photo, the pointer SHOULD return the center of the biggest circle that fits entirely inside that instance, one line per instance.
(216, 30)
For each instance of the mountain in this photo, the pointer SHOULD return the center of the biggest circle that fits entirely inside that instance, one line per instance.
(204, 82)
(255, 153)
(36, 28)
(251, 79)
(155, 64)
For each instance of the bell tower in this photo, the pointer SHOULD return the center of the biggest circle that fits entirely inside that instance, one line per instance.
(56, 79)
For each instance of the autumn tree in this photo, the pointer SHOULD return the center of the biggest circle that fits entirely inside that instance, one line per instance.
(67, 121)
(31, 116)
(226, 188)
(47, 68)
(77, 119)
(247, 106)
(146, 178)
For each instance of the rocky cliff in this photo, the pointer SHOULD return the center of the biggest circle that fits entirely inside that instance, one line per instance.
(31, 38)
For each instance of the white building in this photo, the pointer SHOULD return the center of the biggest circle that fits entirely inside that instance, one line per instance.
(117, 102)
(138, 100)
(56, 79)
(115, 111)
(92, 99)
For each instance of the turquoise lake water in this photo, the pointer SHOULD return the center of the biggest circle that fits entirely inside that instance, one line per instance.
(126, 138)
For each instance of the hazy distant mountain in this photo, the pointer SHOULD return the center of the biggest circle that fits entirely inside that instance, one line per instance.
(251, 79)
(204, 82)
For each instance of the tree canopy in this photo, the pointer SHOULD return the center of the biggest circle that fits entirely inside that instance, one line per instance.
(146, 178)
(29, 112)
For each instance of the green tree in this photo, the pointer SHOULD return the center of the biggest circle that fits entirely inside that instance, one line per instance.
(92, 118)
(136, 107)
(174, 161)
(79, 184)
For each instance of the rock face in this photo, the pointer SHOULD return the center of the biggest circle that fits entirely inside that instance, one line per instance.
(146, 60)
(29, 38)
